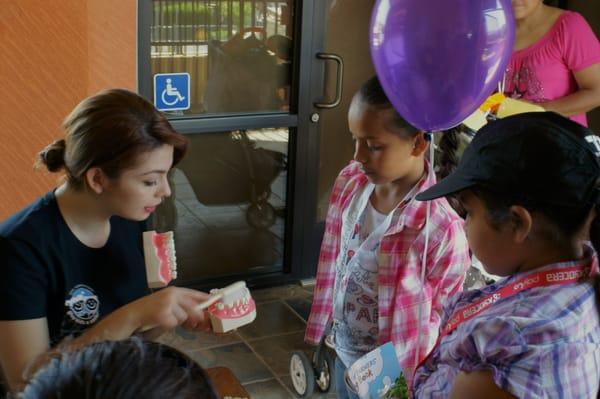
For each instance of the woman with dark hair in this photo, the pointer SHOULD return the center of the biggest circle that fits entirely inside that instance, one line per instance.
(555, 61)
(72, 261)
(120, 370)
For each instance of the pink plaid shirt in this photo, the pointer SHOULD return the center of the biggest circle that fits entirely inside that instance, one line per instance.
(399, 258)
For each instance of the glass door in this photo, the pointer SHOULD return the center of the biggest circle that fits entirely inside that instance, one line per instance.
(241, 194)
(334, 146)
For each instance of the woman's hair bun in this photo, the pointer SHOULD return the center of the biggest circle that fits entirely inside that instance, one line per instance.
(53, 156)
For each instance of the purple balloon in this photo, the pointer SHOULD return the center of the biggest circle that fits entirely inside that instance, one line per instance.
(438, 60)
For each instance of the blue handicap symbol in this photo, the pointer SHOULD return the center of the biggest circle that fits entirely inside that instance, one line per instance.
(172, 91)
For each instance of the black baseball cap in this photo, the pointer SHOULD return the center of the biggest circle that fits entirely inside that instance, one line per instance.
(537, 156)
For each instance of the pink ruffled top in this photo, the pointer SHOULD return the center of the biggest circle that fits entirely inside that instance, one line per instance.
(544, 71)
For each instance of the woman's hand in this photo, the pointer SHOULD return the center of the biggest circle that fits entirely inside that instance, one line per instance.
(25, 340)
(164, 309)
(169, 308)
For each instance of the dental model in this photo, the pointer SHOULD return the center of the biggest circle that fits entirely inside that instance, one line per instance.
(230, 307)
(159, 254)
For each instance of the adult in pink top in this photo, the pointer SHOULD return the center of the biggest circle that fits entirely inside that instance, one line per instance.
(556, 60)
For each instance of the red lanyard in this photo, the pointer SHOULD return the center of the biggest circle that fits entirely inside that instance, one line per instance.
(560, 276)
(565, 275)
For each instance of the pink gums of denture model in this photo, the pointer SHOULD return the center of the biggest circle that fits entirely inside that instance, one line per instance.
(225, 318)
(230, 307)
(159, 254)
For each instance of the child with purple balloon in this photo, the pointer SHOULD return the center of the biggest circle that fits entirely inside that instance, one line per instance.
(369, 273)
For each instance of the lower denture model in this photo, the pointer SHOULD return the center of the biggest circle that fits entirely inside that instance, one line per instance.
(159, 254)
(230, 307)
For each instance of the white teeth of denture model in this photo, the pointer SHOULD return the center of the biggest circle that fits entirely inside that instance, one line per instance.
(230, 307)
(159, 253)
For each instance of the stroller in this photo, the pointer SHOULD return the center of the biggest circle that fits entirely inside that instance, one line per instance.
(317, 372)
(228, 169)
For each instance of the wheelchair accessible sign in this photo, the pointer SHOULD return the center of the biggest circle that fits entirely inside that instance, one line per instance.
(172, 91)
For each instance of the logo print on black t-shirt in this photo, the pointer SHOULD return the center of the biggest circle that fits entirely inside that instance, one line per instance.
(83, 305)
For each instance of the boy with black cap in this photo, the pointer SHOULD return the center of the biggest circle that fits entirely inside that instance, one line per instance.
(530, 186)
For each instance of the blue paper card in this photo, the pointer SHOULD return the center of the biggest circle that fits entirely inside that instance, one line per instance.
(374, 374)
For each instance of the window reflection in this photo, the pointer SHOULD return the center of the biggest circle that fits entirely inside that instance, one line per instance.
(228, 204)
(238, 53)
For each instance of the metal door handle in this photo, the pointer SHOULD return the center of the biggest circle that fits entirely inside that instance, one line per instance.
(340, 77)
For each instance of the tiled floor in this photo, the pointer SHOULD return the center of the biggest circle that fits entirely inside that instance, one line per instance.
(259, 353)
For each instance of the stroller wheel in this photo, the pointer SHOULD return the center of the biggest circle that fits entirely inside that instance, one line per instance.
(303, 376)
(260, 215)
(326, 371)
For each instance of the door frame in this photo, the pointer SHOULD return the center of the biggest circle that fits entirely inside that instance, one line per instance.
(302, 235)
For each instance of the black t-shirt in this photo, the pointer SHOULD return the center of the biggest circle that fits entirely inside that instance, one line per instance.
(45, 271)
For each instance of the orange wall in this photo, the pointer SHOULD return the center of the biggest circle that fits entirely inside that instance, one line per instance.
(55, 53)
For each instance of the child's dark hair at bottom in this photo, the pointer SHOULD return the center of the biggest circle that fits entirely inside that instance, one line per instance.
(124, 369)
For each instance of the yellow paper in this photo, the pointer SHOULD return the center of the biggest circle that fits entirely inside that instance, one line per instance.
(492, 101)
(476, 120)
(510, 106)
